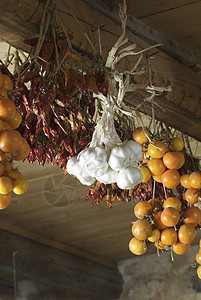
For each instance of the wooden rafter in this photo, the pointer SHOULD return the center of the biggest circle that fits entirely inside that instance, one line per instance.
(148, 34)
(182, 106)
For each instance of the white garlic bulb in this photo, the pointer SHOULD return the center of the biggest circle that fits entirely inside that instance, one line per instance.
(124, 155)
(85, 179)
(71, 166)
(74, 168)
(109, 177)
(129, 177)
(94, 161)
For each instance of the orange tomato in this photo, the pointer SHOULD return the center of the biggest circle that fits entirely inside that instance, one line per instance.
(7, 109)
(170, 178)
(1, 124)
(157, 149)
(157, 178)
(13, 174)
(195, 180)
(198, 258)
(155, 236)
(142, 208)
(159, 245)
(173, 160)
(6, 185)
(168, 236)
(5, 200)
(186, 234)
(192, 216)
(140, 136)
(177, 144)
(5, 156)
(155, 203)
(10, 140)
(199, 272)
(172, 202)
(180, 248)
(170, 216)
(192, 195)
(3, 93)
(7, 83)
(157, 221)
(8, 166)
(137, 247)
(15, 121)
(6, 125)
(156, 166)
(1, 79)
(184, 180)
(2, 169)
(141, 229)
(146, 174)
(23, 151)
(20, 186)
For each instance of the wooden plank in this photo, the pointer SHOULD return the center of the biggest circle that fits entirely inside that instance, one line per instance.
(145, 8)
(57, 245)
(188, 37)
(58, 270)
(175, 20)
(180, 118)
(147, 33)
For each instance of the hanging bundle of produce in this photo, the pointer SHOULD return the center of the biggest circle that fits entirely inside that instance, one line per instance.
(108, 159)
(13, 147)
(171, 216)
(53, 96)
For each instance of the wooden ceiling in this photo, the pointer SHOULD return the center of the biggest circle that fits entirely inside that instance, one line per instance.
(97, 232)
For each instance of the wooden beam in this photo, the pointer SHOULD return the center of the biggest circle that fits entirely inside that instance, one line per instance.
(171, 114)
(57, 245)
(56, 271)
(184, 78)
(148, 34)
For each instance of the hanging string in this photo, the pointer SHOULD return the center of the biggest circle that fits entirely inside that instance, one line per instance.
(99, 41)
(165, 192)
(14, 274)
(153, 119)
(153, 195)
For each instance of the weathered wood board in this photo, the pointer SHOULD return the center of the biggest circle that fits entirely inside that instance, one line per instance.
(57, 272)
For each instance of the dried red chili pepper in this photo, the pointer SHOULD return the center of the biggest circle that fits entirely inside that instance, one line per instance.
(46, 52)
(28, 76)
(91, 84)
(31, 156)
(31, 42)
(80, 83)
(39, 127)
(45, 100)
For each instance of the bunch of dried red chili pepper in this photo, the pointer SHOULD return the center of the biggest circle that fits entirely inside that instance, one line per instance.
(55, 98)
(111, 192)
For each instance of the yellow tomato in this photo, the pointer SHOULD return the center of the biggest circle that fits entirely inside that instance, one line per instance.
(20, 186)
(5, 200)
(5, 185)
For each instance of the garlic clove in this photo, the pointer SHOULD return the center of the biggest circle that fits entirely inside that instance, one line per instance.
(71, 165)
(86, 180)
(137, 149)
(129, 177)
(125, 155)
(109, 177)
(94, 161)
